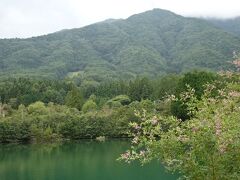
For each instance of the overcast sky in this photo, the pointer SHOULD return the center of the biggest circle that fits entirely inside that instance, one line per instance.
(26, 18)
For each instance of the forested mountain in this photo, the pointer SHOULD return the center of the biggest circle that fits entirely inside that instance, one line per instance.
(231, 25)
(151, 43)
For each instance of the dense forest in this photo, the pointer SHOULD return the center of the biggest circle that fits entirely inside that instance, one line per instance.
(153, 43)
(231, 25)
(49, 110)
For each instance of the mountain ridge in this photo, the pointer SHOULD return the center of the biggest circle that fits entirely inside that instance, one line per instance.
(231, 25)
(152, 43)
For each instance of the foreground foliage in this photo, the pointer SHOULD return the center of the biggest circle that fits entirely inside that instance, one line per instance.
(204, 147)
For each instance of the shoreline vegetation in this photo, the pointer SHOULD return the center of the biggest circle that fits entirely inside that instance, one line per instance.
(47, 111)
(204, 145)
(189, 122)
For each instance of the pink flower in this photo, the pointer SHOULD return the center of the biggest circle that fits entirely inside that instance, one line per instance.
(142, 153)
(183, 138)
(222, 148)
(154, 122)
(135, 140)
(194, 129)
(218, 127)
(136, 126)
(126, 155)
(236, 63)
(234, 94)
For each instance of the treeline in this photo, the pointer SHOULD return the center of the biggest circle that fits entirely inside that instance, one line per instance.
(49, 110)
(26, 91)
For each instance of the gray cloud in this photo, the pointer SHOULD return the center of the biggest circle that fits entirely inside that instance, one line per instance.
(28, 18)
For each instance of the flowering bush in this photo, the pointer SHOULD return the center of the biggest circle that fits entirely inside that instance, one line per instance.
(205, 147)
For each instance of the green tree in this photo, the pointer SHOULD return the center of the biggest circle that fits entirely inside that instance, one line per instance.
(204, 147)
(164, 86)
(75, 98)
(3, 110)
(52, 95)
(22, 111)
(37, 108)
(122, 99)
(139, 89)
(89, 105)
(196, 80)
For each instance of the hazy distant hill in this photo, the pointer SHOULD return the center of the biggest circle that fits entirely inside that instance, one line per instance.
(151, 43)
(230, 25)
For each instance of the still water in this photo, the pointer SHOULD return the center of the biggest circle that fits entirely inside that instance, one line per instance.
(84, 160)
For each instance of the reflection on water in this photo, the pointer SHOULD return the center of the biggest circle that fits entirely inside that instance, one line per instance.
(84, 160)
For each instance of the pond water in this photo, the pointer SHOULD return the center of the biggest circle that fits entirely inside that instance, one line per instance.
(84, 160)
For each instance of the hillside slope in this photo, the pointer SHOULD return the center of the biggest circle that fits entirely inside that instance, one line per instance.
(231, 25)
(151, 43)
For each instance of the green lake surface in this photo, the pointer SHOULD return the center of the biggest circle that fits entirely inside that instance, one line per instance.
(83, 160)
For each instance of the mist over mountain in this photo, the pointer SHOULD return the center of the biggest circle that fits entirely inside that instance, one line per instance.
(152, 43)
(231, 25)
